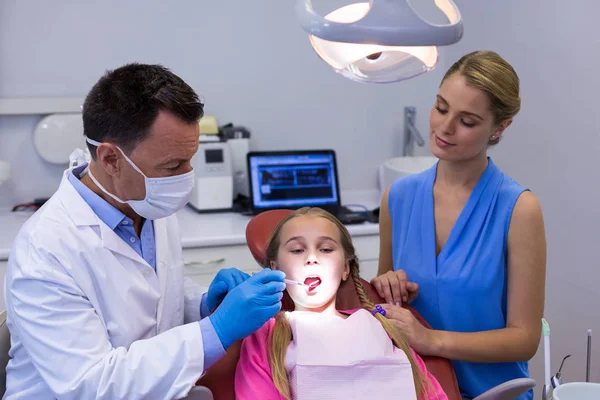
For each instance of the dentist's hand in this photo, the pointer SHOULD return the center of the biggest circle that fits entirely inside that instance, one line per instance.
(224, 282)
(395, 288)
(248, 306)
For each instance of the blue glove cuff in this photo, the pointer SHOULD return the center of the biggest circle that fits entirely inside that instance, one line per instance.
(215, 319)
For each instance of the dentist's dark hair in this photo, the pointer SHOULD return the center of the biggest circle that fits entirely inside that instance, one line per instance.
(282, 331)
(123, 105)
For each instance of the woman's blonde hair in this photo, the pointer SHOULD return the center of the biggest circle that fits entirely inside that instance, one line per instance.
(282, 332)
(487, 71)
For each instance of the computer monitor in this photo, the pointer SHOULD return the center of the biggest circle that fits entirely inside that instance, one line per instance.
(293, 179)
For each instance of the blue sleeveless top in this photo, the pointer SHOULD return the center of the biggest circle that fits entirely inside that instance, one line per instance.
(463, 289)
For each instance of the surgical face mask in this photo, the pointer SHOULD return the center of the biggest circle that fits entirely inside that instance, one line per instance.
(164, 196)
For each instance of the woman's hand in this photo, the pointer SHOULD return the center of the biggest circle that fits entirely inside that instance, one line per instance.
(421, 339)
(395, 288)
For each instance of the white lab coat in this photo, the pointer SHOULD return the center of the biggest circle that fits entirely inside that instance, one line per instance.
(89, 318)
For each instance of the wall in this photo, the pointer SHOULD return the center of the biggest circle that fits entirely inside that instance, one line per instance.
(253, 65)
(250, 61)
(552, 148)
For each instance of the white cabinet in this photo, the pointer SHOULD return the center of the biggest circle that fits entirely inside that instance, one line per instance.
(203, 263)
(367, 250)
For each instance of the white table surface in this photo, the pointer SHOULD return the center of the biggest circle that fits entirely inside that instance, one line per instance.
(202, 230)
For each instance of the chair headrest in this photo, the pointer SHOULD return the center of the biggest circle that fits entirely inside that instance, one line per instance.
(259, 231)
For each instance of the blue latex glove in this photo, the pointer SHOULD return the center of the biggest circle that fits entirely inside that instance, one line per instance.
(223, 283)
(248, 306)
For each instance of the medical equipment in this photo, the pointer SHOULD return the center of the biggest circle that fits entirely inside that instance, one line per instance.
(258, 232)
(577, 391)
(295, 179)
(208, 125)
(547, 382)
(589, 356)
(220, 378)
(553, 384)
(213, 190)
(556, 380)
(379, 41)
(221, 166)
(238, 139)
(291, 282)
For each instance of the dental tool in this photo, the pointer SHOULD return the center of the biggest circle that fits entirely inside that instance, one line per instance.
(557, 379)
(589, 355)
(547, 378)
(290, 282)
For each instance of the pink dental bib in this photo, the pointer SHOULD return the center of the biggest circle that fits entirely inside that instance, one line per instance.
(353, 358)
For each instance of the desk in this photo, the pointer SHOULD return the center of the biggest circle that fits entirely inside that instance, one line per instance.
(214, 241)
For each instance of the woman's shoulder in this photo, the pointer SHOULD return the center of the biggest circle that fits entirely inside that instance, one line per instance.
(404, 189)
(517, 193)
(527, 213)
(511, 187)
(508, 186)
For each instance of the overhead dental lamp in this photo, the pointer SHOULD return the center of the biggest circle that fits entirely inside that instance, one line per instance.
(379, 41)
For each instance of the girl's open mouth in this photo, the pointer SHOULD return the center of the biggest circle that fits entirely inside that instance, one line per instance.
(312, 282)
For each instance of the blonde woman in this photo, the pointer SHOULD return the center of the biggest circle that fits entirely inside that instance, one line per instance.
(467, 238)
(317, 351)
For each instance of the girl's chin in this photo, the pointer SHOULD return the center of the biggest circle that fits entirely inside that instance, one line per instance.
(314, 306)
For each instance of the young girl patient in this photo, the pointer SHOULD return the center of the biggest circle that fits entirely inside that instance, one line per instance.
(316, 351)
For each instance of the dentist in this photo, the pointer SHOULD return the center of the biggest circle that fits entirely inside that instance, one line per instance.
(97, 303)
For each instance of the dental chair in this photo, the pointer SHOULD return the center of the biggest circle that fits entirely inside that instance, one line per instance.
(220, 377)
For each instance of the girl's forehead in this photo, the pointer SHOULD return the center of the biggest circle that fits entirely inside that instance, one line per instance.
(310, 226)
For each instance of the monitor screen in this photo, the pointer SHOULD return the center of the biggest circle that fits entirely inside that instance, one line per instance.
(213, 156)
(293, 180)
